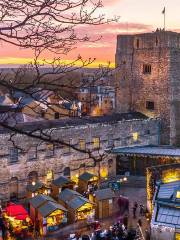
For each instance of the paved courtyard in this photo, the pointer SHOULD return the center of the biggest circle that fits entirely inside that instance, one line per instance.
(133, 194)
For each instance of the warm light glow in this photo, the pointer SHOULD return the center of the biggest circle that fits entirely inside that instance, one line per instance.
(171, 175)
(135, 136)
(33, 183)
(104, 172)
(75, 178)
(125, 179)
(22, 61)
(178, 194)
(97, 111)
(49, 175)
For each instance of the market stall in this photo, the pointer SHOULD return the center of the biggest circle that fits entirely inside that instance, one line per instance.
(104, 199)
(60, 184)
(79, 208)
(36, 202)
(88, 182)
(51, 216)
(17, 220)
(36, 188)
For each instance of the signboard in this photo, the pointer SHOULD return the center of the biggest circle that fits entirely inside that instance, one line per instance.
(114, 185)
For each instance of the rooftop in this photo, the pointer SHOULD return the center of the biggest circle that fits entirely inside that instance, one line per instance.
(148, 150)
(49, 207)
(86, 176)
(78, 202)
(40, 199)
(104, 194)
(168, 215)
(67, 194)
(166, 191)
(61, 181)
(70, 122)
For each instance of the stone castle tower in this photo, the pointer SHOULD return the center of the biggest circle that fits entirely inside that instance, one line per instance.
(148, 79)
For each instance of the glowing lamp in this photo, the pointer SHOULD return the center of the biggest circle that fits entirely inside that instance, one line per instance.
(104, 173)
(33, 183)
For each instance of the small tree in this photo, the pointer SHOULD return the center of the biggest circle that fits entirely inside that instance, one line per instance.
(47, 26)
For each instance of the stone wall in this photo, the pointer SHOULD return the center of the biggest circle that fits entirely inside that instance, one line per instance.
(162, 86)
(120, 131)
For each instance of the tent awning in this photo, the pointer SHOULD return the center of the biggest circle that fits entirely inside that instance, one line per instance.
(16, 211)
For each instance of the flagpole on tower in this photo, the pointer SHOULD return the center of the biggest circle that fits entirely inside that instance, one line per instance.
(164, 13)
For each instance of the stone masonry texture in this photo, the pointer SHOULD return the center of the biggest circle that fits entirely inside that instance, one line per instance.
(160, 50)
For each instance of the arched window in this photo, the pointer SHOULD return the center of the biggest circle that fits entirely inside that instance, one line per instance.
(157, 41)
(137, 43)
(32, 177)
(56, 115)
(13, 187)
(67, 172)
(110, 163)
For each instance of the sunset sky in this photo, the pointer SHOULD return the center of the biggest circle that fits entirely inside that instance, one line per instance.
(136, 16)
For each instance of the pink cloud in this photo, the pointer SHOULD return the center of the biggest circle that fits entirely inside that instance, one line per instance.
(109, 2)
(104, 49)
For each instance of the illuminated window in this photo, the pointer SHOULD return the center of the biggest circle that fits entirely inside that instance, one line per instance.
(82, 144)
(50, 150)
(49, 175)
(135, 136)
(32, 153)
(96, 142)
(178, 194)
(147, 68)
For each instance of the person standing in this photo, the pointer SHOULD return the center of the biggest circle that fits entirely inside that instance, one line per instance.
(134, 209)
(125, 221)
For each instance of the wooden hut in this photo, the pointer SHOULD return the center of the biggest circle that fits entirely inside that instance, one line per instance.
(79, 208)
(85, 180)
(66, 195)
(36, 188)
(36, 202)
(51, 216)
(60, 184)
(104, 199)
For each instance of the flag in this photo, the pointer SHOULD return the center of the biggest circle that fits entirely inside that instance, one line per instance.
(164, 10)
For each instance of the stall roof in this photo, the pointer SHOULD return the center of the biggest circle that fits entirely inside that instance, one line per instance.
(103, 194)
(148, 150)
(38, 200)
(33, 188)
(86, 176)
(61, 181)
(67, 195)
(49, 207)
(77, 202)
(166, 190)
(168, 215)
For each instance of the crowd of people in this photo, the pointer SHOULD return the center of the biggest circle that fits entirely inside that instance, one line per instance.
(116, 232)
(120, 230)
